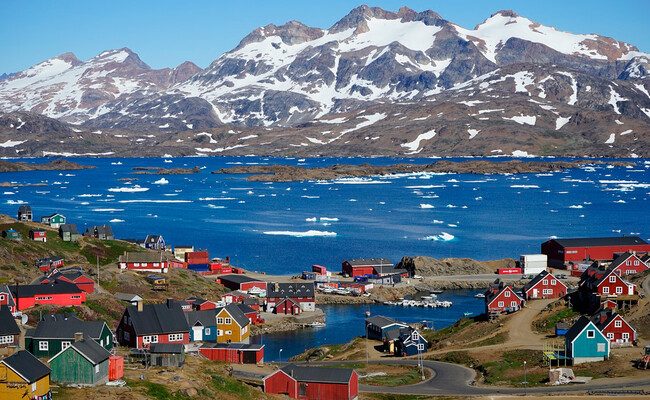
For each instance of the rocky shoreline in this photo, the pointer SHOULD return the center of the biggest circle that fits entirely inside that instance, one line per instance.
(165, 171)
(287, 173)
(55, 165)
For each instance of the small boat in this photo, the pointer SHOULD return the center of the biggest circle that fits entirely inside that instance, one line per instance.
(479, 295)
(316, 324)
(437, 291)
(367, 313)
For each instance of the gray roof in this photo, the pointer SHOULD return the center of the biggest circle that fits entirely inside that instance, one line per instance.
(56, 287)
(90, 349)
(388, 269)
(237, 278)
(382, 322)
(318, 374)
(536, 280)
(26, 365)
(166, 348)
(204, 318)
(72, 228)
(62, 326)
(158, 319)
(24, 208)
(601, 241)
(128, 297)
(237, 314)
(298, 289)
(8, 325)
(577, 327)
(105, 230)
(370, 261)
(144, 256)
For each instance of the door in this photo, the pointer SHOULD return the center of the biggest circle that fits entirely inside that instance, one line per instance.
(198, 333)
(534, 293)
(249, 357)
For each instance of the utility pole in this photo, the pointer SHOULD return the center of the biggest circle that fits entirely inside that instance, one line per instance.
(97, 258)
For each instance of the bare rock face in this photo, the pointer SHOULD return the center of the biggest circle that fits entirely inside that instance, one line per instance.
(428, 266)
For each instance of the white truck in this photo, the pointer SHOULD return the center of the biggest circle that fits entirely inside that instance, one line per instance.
(533, 264)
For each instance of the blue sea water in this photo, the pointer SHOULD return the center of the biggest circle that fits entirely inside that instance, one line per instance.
(271, 227)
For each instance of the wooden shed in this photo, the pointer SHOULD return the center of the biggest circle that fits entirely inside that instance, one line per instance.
(167, 354)
(234, 353)
(84, 362)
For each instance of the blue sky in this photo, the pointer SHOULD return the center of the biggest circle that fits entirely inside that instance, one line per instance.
(165, 33)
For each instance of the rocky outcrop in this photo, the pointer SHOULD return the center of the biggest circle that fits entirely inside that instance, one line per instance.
(56, 165)
(428, 266)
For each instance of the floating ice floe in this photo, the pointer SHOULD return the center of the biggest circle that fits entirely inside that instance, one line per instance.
(155, 201)
(442, 237)
(437, 221)
(309, 233)
(576, 206)
(426, 206)
(161, 181)
(129, 189)
(107, 209)
(14, 202)
(524, 186)
(116, 220)
(216, 198)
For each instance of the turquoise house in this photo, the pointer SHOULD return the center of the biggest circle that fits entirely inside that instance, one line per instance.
(203, 325)
(585, 343)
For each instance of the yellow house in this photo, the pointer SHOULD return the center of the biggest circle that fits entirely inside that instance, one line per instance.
(24, 377)
(233, 326)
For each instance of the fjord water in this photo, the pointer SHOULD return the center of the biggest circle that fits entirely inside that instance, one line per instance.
(284, 228)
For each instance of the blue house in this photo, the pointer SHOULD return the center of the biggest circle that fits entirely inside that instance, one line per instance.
(203, 325)
(585, 343)
(378, 325)
(410, 342)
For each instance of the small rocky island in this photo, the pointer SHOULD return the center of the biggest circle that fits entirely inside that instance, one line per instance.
(288, 173)
(165, 171)
(55, 165)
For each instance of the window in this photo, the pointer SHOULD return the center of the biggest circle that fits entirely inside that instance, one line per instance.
(545, 282)
(618, 323)
(610, 336)
(136, 264)
(507, 294)
(601, 347)
(626, 336)
(175, 337)
(228, 321)
(76, 296)
(513, 304)
(219, 321)
(43, 345)
(96, 369)
(207, 331)
(34, 387)
(146, 339)
(553, 282)
(619, 290)
(156, 264)
(591, 334)
(612, 279)
(6, 339)
(65, 345)
(628, 262)
(219, 332)
(228, 332)
(500, 304)
(605, 290)
(420, 346)
(636, 263)
(2, 297)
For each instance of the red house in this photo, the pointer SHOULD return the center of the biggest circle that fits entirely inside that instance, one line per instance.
(39, 235)
(234, 353)
(287, 306)
(242, 282)
(365, 266)
(614, 327)
(560, 252)
(236, 296)
(313, 383)
(149, 261)
(48, 264)
(609, 284)
(251, 313)
(144, 324)
(199, 304)
(71, 275)
(544, 286)
(628, 264)
(500, 298)
(7, 299)
(58, 293)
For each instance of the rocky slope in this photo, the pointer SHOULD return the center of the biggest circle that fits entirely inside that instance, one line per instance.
(375, 83)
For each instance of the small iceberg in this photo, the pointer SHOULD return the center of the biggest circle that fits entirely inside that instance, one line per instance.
(425, 206)
(309, 233)
(134, 189)
(442, 237)
(161, 181)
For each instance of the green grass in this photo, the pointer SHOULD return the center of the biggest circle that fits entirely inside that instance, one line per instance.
(458, 357)
(408, 377)
(157, 391)
(108, 251)
(106, 313)
(510, 369)
(230, 385)
(383, 396)
(499, 338)
(434, 336)
(548, 324)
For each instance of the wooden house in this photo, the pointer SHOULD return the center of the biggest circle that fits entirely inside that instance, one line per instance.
(56, 332)
(154, 242)
(313, 383)
(236, 296)
(199, 304)
(544, 286)
(609, 284)
(132, 299)
(84, 362)
(11, 234)
(69, 233)
(628, 263)
(54, 220)
(23, 376)
(233, 353)
(49, 263)
(242, 282)
(145, 261)
(617, 330)
(158, 282)
(74, 275)
(167, 354)
(9, 330)
(365, 266)
(101, 232)
(501, 298)
(377, 326)
(25, 213)
(410, 343)
(146, 324)
(585, 342)
(57, 293)
(203, 325)
(561, 252)
(38, 235)
(7, 298)
(232, 325)
(251, 313)
(287, 295)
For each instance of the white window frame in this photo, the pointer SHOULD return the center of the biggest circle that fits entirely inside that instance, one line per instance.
(625, 336)
(612, 279)
(228, 321)
(506, 293)
(545, 282)
(220, 321)
(175, 337)
(553, 282)
(618, 323)
(420, 346)
(500, 304)
(65, 344)
(610, 335)
(619, 290)
(591, 334)
(605, 290)
(136, 264)
(34, 387)
(207, 331)
(43, 345)
(228, 332)
(97, 368)
(8, 339)
(513, 304)
(602, 347)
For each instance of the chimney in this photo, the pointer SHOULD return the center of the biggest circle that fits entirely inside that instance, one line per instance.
(170, 302)
(140, 306)
(78, 337)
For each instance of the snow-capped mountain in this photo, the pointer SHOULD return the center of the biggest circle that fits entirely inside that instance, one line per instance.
(284, 82)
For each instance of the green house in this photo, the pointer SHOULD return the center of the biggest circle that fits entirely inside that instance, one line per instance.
(56, 332)
(11, 234)
(54, 220)
(84, 362)
(586, 343)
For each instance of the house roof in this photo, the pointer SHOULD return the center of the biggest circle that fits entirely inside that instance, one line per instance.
(166, 348)
(538, 278)
(318, 374)
(382, 322)
(601, 241)
(64, 326)
(71, 274)
(299, 289)
(105, 230)
(8, 325)
(495, 291)
(375, 262)
(24, 208)
(622, 258)
(577, 328)
(152, 238)
(237, 278)
(71, 228)
(144, 256)
(89, 349)
(394, 333)
(205, 317)
(128, 297)
(26, 365)
(5, 289)
(158, 319)
(236, 313)
(56, 287)
(245, 308)
(53, 215)
(388, 269)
